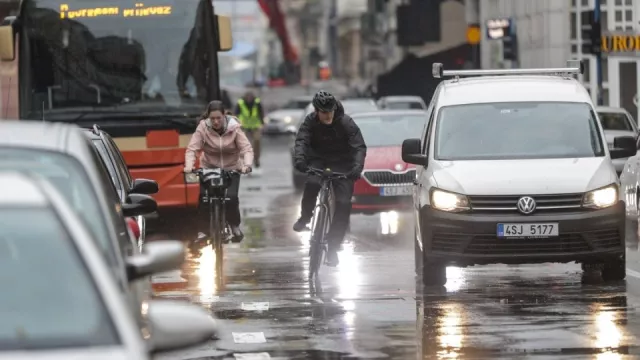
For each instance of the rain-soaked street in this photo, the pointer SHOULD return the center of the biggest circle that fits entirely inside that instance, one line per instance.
(371, 307)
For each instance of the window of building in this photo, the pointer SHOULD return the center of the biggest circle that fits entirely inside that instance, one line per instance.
(628, 2)
(585, 2)
(573, 30)
(603, 2)
(618, 14)
(605, 97)
(628, 15)
(574, 49)
(604, 20)
(605, 69)
(618, 2)
(586, 77)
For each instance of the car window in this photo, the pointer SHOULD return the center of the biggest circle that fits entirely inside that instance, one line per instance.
(615, 121)
(120, 163)
(104, 154)
(517, 130)
(351, 107)
(50, 299)
(404, 105)
(296, 104)
(376, 130)
(114, 206)
(70, 178)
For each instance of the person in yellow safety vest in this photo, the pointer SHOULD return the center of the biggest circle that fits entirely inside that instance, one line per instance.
(249, 112)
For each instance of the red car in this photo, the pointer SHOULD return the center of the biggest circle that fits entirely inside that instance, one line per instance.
(387, 181)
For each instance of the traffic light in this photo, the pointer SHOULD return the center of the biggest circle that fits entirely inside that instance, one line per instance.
(591, 33)
(510, 46)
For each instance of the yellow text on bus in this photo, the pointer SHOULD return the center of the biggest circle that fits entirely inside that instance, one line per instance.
(138, 11)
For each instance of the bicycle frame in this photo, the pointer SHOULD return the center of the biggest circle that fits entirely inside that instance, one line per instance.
(322, 218)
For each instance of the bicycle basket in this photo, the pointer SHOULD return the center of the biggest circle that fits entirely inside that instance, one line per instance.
(214, 178)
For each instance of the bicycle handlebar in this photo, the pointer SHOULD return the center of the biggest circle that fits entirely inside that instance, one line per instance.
(327, 174)
(201, 170)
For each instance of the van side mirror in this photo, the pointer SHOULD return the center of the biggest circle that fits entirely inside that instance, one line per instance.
(623, 147)
(144, 186)
(7, 43)
(178, 325)
(139, 204)
(411, 152)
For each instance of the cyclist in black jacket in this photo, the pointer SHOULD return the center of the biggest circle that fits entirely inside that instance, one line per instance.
(328, 138)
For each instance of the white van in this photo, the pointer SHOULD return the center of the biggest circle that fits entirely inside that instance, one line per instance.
(513, 167)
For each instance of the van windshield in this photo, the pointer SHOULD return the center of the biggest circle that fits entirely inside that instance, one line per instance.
(512, 130)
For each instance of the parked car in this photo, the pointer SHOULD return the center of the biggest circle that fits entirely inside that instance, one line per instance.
(357, 105)
(401, 102)
(64, 301)
(120, 176)
(283, 121)
(387, 181)
(516, 174)
(616, 122)
(64, 156)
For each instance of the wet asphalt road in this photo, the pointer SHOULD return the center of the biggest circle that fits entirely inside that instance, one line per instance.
(371, 307)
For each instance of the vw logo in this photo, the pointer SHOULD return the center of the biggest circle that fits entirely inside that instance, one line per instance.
(526, 205)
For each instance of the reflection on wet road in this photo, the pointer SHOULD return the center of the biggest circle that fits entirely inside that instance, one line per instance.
(371, 307)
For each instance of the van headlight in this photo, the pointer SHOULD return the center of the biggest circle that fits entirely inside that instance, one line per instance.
(448, 201)
(601, 198)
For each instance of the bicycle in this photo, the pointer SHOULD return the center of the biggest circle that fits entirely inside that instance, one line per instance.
(322, 217)
(215, 183)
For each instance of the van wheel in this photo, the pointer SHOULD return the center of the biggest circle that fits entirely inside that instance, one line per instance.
(434, 274)
(614, 270)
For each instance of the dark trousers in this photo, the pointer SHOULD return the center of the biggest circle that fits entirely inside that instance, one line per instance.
(232, 206)
(342, 192)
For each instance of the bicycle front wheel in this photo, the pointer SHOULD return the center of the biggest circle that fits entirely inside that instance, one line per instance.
(218, 234)
(317, 248)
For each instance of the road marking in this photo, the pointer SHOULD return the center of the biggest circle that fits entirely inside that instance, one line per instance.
(249, 338)
(255, 306)
(633, 273)
(252, 356)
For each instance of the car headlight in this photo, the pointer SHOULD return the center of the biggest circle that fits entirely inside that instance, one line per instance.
(287, 119)
(601, 198)
(266, 119)
(191, 178)
(448, 201)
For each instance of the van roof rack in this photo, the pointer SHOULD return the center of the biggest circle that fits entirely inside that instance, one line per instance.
(96, 129)
(573, 67)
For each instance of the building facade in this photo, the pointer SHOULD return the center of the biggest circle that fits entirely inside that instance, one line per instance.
(549, 34)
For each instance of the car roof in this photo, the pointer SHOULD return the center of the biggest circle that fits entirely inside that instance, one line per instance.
(490, 89)
(611, 109)
(390, 113)
(17, 188)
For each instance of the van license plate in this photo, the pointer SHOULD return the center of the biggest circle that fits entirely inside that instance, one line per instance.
(528, 230)
(396, 191)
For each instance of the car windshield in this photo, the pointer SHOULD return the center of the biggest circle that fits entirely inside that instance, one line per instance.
(296, 104)
(49, 299)
(70, 178)
(517, 130)
(351, 106)
(389, 130)
(404, 105)
(117, 54)
(615, 121)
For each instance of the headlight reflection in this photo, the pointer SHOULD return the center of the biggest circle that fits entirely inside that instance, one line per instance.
(389, 222)
(608, 334)
(450, 332)
(206, 273)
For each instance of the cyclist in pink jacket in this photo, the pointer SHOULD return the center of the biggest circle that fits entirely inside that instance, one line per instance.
(222, 145)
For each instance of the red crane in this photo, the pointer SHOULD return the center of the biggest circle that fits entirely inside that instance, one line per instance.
(271, 9)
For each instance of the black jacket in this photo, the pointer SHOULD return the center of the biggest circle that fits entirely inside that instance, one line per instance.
(340, 144)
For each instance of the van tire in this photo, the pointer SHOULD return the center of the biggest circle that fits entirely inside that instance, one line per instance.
(433, 274)
(614, 270)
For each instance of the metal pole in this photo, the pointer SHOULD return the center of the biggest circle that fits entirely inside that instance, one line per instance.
(596, 12)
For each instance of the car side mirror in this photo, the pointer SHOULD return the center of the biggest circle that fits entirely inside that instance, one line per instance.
(178, 325)
(411, 152)
(139, 204)
(156, 257)
(144, 186)
(623, 147)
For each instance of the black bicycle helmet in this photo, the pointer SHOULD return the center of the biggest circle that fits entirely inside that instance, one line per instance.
(324, 101)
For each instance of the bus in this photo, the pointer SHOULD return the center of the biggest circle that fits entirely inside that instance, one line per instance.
(141, 71)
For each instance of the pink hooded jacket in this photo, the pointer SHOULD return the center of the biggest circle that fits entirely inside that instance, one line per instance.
(228, 151)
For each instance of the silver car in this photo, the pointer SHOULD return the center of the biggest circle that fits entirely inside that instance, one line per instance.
(401, 103)
(616, 122)
(64, 302)
(283, 121)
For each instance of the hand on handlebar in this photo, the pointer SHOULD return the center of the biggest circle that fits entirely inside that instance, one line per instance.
(245, 169)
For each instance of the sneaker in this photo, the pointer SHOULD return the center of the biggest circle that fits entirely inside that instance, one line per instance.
(332, 258)
(301, 225)
(237, 234)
